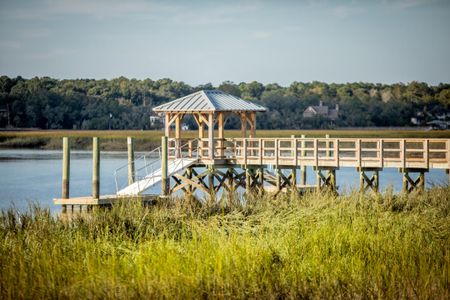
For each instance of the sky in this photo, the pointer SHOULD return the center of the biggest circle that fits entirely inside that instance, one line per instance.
(199, 42)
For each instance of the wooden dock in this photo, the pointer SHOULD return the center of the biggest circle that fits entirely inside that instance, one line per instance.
(325, 152)
(257, 165)
(325, 155)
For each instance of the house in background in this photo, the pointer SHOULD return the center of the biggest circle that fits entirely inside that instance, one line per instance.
(156, 122)
(436, 118)
(322, 110)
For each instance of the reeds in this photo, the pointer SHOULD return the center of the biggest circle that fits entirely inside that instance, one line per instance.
(315, 246)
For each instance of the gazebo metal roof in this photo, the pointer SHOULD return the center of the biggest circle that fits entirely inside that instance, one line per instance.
(209, 101)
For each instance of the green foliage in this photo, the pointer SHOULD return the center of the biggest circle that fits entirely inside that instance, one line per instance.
(316, 246)
(86, 103)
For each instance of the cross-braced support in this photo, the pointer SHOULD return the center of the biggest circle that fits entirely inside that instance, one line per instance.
(209, 181)
(409, 183)
(190, 181)
(254, 180)
(369, 182)
(280, 181)
(326, 181)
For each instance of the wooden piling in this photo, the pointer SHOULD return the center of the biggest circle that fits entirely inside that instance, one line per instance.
(66, 171)
(131, 166)
(95, 168)
(164, 174)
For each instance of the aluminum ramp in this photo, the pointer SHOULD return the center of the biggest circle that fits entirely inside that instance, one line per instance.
(154, 178)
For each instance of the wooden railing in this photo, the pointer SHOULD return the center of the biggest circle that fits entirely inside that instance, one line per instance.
(331, 152)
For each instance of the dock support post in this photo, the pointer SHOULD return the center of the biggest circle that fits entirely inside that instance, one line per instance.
(261, 179)
(189, 188)
(231, 182)
(303, 167)
(248, 180)
(66, 171)
(253, 179)
(294, 179)
(405, 181)
(95, 168)
(278, 179)
(164, 178)
(130, 160)
(211, 187)
(332, 182)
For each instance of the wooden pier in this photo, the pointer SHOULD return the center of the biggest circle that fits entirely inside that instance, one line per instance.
(256, 165)
(325, 155)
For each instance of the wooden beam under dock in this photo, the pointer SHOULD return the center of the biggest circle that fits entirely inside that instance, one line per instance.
(103, 200)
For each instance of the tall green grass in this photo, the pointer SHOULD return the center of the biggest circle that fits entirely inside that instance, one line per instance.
(316, 246)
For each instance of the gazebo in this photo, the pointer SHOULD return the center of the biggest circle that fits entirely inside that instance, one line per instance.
(209, 107)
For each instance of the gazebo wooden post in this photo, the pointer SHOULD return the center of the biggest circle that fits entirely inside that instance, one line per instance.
(167, 125)
(201, 130)
(252, 124)
(211, 135)
(243, 124)
(177, 136)
(200, 124)
(220, 128)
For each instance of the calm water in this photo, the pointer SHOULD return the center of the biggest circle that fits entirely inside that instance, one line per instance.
(35, 175)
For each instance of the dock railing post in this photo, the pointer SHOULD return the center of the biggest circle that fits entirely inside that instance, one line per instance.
(130, 146)
(327, 145)
(303, 167)
(190, 148)
(66, 171)
(164, 177)
(95, 168)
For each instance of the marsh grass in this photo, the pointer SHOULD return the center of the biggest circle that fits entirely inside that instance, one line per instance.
(315, 246)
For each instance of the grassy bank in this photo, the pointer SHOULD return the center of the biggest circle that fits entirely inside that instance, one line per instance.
(317, 246)
(145, 140)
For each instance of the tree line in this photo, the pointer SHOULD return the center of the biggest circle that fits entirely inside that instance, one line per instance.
(123, 103)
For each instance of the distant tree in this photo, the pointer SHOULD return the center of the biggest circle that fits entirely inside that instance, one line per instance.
(252, 90)
(87, 103)
(230, 88)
